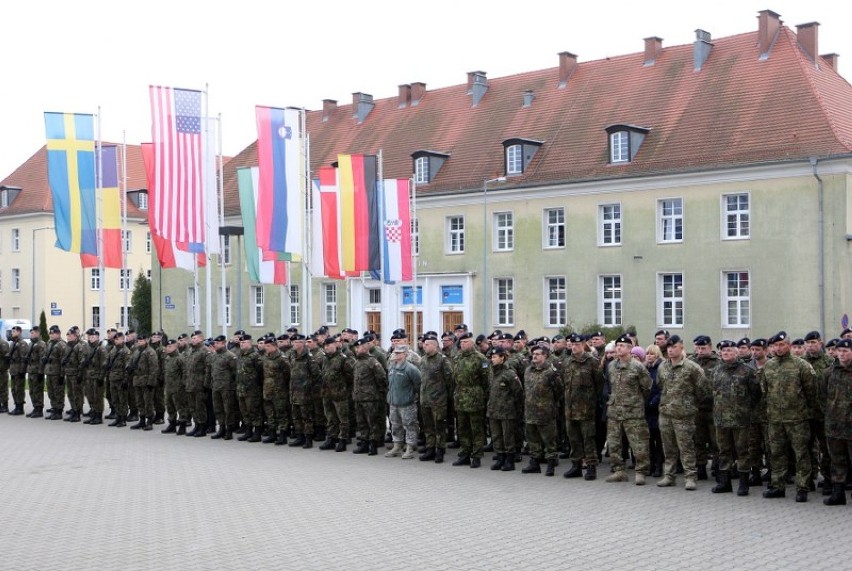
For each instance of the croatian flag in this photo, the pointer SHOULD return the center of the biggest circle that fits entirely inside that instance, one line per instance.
(396, 237)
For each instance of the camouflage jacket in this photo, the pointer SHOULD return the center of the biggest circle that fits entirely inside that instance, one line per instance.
(583, 382)
(276, 374)
(71, 358)
(174, 370)
(506, 396)
(196, 368)
(820, 363)
(94, 357)
(518, 362)
(707, 364)
(337, 376)
(145, 368)
(790, 386)
(630, 386)
(4, 356)
(223, 370)
(436, 376)
(33, 358)
(370, 380)
(53, 357)
(682, 387)
(249, 371)
(837, 397)
(304, 376)
(472, 374)
(736, 393)
(117, 359)
(17, 353)
(380, 357)
(542, 391)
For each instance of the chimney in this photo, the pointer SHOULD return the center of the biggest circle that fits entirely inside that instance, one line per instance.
(328, 107)
(477, 85)
(830, 60)
(362, 104)
(653, 47)
(529, 95)
(418, 90)
(567, 67)
(701, 50)
(404, 96)
(807, 35)
(768, 25)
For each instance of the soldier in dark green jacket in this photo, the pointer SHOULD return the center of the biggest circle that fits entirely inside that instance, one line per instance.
(337, 382)
(223, 370)
(705, 433)
(820, 456)
(250, 389)
(53, 371)
(837, 397)
(582, 380)
(71, 360)
(4, 375)
(195, 383)
(304, 373)
(92, 369)
(17, 370)
(506, 390)
(116, 367)
(542, 389)
(472, 375)
(276, 392)
(144, 372)
(369, 390)
(436, 390)
(35, 372)
(174, 372)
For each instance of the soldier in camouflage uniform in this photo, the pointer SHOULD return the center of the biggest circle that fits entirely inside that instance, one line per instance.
(194, 381)
(837, 399)
(4, 375)
(682, 386)
(156, 343)
(583, 383)
(790, 386)
(35, 372)
(130, 343)
(735, 394)
(223, 371)
(143, 369)
(110, 342)
(116, 367)
(758, 434)
(472, 375)
(53, 371)
(92, 368)
(72, 358)
(276, 392)
(630, 386)
(542, 390)
(370, 387)
(304, 373)
(174, 373)
(314, 349)
(820, 457)
(506, 390)
(18, 370)
(337, 382)
(250, 389)
(705, 432)
(436, 390)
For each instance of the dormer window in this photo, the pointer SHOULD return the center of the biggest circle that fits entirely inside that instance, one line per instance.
(142, 200)
(624, 142)
(4, 198)
(427, 164)
(518, 154)
(8, 195)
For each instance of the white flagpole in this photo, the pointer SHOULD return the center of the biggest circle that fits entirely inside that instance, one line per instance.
(221, 196)
(307, 276)
(100, 229)
(124, 222)
(412, 215)
(208, 281)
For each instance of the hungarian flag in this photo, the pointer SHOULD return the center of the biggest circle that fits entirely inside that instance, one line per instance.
(259, 270)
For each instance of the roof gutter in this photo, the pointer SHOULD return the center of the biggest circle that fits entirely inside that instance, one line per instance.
(821, 244)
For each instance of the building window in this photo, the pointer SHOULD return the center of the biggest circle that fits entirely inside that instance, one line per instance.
(224, 318)
(610, 304)
(670, 215)
(504, 300)
(191, 306)
(4, 198)
(415, 235)
(226, 249)
(147, 242)
(556, 310)
(610, 224)
(257, 305)
(455, 235)
(125, 279)
(421, 170)
(148, 274)
(671, 300)
(96, 316)
(504, 232)
(295, 305)
(554, 227)
(124, 318)
(735, 213)
(736, 300)
(127, 240)
(374, 296)
(16, 240)
(95, 278)
(514, 159)
(330, 303)
(16, 279)
(142, 197)
(619, 147)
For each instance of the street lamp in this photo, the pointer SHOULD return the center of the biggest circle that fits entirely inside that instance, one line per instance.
(34, 320)
(485, 285)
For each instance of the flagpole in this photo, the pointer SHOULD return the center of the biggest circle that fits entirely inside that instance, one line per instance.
(307, 276)
(205, 192)
(100, 229)
(126, 323)
(221, 196)
(380, 203)
(412, 215)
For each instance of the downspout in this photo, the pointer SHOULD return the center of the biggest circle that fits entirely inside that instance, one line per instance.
(821, 245)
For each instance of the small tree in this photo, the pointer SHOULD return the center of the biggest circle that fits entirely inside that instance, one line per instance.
(140, 310)
(42, 327)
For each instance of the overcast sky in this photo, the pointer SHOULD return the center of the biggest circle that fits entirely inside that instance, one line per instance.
(76, 56)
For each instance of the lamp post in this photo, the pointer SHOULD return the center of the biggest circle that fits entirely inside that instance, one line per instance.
(34, 317)
(485, 286)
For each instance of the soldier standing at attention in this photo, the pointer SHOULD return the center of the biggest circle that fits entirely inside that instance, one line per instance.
(4, 375)
(370, 387)
(276, 392)
(838, 422)
(174, 371)
(130, 343)
(630, 386)
(35, 372)
(820, 457)
(705, 432)
(72, 358)
(223, 370)
(249, 389)
(303, 374)
(156, 343)
(542, 389)
(503, 404)
(583, 383)
(403, 394)
(117, 361)
(196, 392)
(92, 368)
(18, 370)
(790, 386)
(144, 370)
(53, 370)
(337, 380)
(436, 390)
(472, 375)
(735, 394)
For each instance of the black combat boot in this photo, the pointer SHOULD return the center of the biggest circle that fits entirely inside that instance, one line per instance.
(115, 421)
(309, 443)
(508, 463)
(158, 418)
(754, 478)
(200, 431)
(575, 471)
(551, 467)
(702, 471)
(247, 434)
(122, 421)
(773, 492)
(97, 418)
(111, 415)
(801, 496)
(498, 463)
(75, 417)
(299, 440)
(150, 425)
(475, 462)
(140, 424)
(462, 460)
(181, 431)
(133, 416)
(241, 428)
(724, 484)
(373, 447)
(256, 436)
(282, 438)
(341, 445)
(220, 433)
(319, 434)
(591, 473)
(329, 443)
(87, 414)
(439, 455)
(270, 439)
(229, 433)
(742, 488)
(488, 447)
(361, 447)
(36, 413)
(172, 427)
(532, 468)
(838, 495)
(18, 410)
(428, 454)
(4, 406)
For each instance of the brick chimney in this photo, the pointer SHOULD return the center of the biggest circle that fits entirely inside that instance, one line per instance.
(567, 67)
(653, 47)
(477, 85)
(701, 49)
(830, 60)
(328, 107)
(404, 96)
(807, 35)
(418, 90)
(768, 24)
(362, 104)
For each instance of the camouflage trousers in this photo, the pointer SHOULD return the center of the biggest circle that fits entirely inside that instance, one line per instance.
(797, 435)
(435, 426)
(251, 406)
(56, 392)
(199, 406)
(678, 436)
(4, 387)
(225, 408)
(336, 417)
(471, 427)
(503, 434)
(733, 443)
(705, 437)
(542, 439)
(76, 391)
(370, 416)
(95, 394)
(159, 401)
(404, 425)
(758, 444)
(119, 397)
(19, 395)
(131, 400)
(319, 411)
(175, 404)
(820, 456)
(145, 401)
(277, 410)
(581, 437)
(636, 430)
(303, 419)
(841, 452)
(36, 382)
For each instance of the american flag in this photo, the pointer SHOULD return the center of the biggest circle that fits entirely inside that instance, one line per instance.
(176, 130)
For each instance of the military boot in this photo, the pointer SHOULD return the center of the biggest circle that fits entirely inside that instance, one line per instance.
(122, 421)
(150, 425)
(838, 495)
(256, 436)
(395, 451)
(282, 438)
(754, 478)
(428, 454)
(247, 434)
(18, 410)
(410, 451)
(532, 468)
(241, 429)
(4, 406)
(111, 415)
(172, 427)
(140, 424)
(229, 433)
(272, 437)
(114, 422)
(133, 416)
(220, 433)
(36, 413)
(462, 460)
(90, 418)
(319, 434)
(87, 414)
(591, 473)
(361, 447)
(575, 471)
(724, 485)
(508, 463)
(158, 418)
(618, 476)
(551, 467)
(373, 447)
(97, 418)
(772, 492)
(299, 440)
(439, 455)
(801, 496)
(701, 469)
(475, 462)
(498, 464)
(329, 444)
(742, 488)
(341, 445)
(181, 431)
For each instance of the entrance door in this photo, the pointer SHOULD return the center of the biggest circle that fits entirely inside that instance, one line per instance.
(374, 322)
(407, 319)
(450, 319)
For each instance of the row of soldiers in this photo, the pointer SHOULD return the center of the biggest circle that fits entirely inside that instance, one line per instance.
(310, 387)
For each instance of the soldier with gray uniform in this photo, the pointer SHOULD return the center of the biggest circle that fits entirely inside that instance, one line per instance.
(35, 372)
(53, 371)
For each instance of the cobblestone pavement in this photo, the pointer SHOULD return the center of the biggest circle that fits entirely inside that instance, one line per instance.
(76, 496)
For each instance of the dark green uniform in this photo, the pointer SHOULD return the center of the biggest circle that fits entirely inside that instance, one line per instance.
(35, 374)
(196, 386)
(436, 389)
(370, 387)
(583, 381)
(55, 378)
(542, 390)
(4, 375)
(837, 399)
(705, 433)
(250, 388)
(144, 371)
(223, 370)
(116, 365)
(304, 373)
(18, 372)
(337, 384)
(71, 360)
(174, 373)
(472, 374)
(506, 390)
(735, 394)
(276, 391)
(820, 456)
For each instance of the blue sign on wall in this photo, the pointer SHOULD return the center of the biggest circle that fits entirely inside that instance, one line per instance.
(408, 295)
(452, 295)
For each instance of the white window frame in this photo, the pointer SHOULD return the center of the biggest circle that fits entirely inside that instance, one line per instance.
(16, 239)
(503, 231)
(258, 305)
(551, 228)
(127, 241)
(191, 305)
(515, 159)
(329, 300)
(415, 235)
(226, 250)
(96, 316)
(668, 300)
(555, 298)
(147, 242)
(374, 296)
(294, 294)
(142, 199)
(95, 279)
(741, 218)
(125, 279)
(739, 302)
(4, 198)
(611, 312)
(124, 316)
(16, 279)
(610, 230)
(504, 301)
(226, 306)
(148, 274)
(455, 235)
(669, 216)
(421, 170)
(619, 147)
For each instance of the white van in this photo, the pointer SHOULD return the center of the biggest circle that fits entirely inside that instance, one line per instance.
(7, 324)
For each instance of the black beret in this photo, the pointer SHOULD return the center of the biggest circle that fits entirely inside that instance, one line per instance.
(760, 342)
(245, 337)
(292, 330)
(182, 336)
(780, 336)
(625, 338)
(239, 332)
(360, 341)
(448, 335)
(461, 326)
(844, 344)
(576, 338)
(505, 337)
(54, 329)
(350, 331)
(597, 334)
(91, 331)
(812, 336)
(662, 332)
(198, 332)
(220, 338)
(519, 336)
(673, 340)
(323, 330)
(541, 347)
(171, 342)
(142, 337)
(797, 341)
(331, 339)
(480, 338)
(701, 340)
(744, 342)
(283, 337)
(846, 331)
(725, 343)
(499, 351)
(557, 337)
(16, 328)
(428, 337)
(117, 334)
(396, 336)
(297, 337)
(35, 328)
(832, 343)
(73, 331)
(466, 335)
